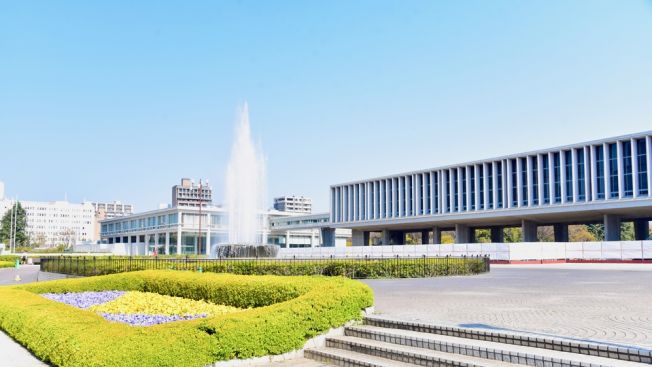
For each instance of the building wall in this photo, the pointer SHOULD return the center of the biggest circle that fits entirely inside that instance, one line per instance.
(57, 222)
(557, 180)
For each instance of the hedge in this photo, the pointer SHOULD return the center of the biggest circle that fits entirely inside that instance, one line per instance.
(283, 313)
(353, 268)
(7, 264)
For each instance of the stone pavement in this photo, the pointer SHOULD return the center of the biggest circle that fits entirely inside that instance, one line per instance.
(600, 302)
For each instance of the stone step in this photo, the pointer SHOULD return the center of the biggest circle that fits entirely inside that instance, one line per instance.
(414, 356)
(589, 348)
(487, 350)
(347, 358)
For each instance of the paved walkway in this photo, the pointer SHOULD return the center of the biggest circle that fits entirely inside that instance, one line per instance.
(602, 302)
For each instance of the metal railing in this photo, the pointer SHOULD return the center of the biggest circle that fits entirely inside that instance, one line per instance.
(357, 268)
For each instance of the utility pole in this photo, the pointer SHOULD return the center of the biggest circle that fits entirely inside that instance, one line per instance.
(200, 199)
(12, 231)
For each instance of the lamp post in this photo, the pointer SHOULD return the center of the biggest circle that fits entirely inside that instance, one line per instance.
(200, 200)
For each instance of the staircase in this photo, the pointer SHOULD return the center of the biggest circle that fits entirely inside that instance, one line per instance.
(382, 342)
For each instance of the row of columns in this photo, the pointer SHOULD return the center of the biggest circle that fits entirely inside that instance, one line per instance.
(466, 234)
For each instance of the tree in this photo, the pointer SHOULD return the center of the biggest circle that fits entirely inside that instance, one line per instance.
(447, 237)
(483, 235)
(579, 233)
(512, 234)
(546, 234)
(627, 231)
(39, 240)
(597, 230)
(22, 239)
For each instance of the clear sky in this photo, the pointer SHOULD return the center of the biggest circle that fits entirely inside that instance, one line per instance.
(117, 100)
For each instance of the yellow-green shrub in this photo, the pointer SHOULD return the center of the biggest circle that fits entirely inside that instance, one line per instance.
(288, 310)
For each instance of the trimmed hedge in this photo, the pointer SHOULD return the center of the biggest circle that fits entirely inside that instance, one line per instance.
(353, 268)
(283, 313)
(7, 264)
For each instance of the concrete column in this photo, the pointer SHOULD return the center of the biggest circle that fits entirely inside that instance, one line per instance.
(460, 189)
(167, 243)
(328, 236)
(594, 174)
(510, 185)
(287, 239)
(529, 230)
(587, 174)
(561, 232)
(358, 238)
(611, 227)
(462, 233)
(551, 177)
(476, 170)
(641, 229)
(386, 240)
(432, 193)
(451, 190)
(519, 183)
(468, 187)
(607, 178)
(207, 241)
(418, 189)
(485, 178)
(494, 178)
(530, 186)
(540, 178)
(425, 237)
(401, 193)
(381, 193)
(179, 240)
(497, 234)
(436, 235)
(388, 198)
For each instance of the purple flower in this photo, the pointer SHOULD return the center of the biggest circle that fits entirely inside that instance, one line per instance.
(84, 299)
(148, 320)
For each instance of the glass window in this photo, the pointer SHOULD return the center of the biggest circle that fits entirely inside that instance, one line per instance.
(472, 178)
(514, 183)
(428, 209)
(499, 183)
(448, 191)
(546, 179)
(481, 184)
(535, 180)
(557, 176)
(641, 162)
(463, 189)
(628, 190)
(455, 191)
(613, 170)
(436, 178)
(568, 168)
(524, 179)
(490, 186)
(599, 171)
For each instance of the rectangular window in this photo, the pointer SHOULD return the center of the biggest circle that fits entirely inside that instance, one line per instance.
(535, 180)
(514, 183)
(490, 186)
(481, 184)
(463, 189)
(436, 192)
(581, 179)
(627, 169)
(557, 176)
(499, 183)
(546, 179)
(410, 192)
(613, 170)
(568, 168)
(455, 191)
(599, 171)
(641, 162)
(428, 197)
(448, 191)
(472, 178)
(525, 200)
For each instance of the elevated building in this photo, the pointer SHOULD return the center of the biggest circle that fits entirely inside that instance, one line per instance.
(603, 181)
(189, 194)
(293, 204)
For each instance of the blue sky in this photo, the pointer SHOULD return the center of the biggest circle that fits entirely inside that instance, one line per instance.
(118, 100)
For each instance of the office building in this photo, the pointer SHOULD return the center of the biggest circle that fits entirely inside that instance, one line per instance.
(294, 204)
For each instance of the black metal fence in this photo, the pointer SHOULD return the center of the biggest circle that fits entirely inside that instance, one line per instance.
(358, 268)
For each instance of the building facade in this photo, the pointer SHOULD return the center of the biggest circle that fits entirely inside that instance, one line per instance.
(604, 181)
(299, 231)
(189, 194)
(294, 204)
(56, 222)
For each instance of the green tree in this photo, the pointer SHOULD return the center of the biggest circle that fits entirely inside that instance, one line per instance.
(483, 235)
(580, 233)
(512, 234)
(22, 239)
(597, 230)
(447, 237)
(627, 231)
(546, 234)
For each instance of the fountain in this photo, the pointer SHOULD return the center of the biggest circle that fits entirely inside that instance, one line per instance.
(245, 198)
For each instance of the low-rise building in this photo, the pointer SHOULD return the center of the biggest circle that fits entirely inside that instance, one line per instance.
(293, 204)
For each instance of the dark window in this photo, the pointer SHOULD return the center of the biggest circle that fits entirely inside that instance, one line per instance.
(627, 168)
(557, 176)
(641, 161)
(499, 183)
(463, 189)
(455, 191)
(133, 239)
(613, 170)
(568, 168)
(525, 199)
(436, 192)
(514, 183)
(599, 171)
(427, 209)
(481, 182)
(472, 178)
(581, 179)
(546, 179)
(490, 186)
(410, 195)
(448, 192)
(535, 180)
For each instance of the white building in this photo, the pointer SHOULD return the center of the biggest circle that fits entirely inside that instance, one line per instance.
(294, 204)
(604, 181)
(192, 195)
(56, 222)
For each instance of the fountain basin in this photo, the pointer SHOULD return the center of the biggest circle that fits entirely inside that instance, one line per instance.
(241, 250)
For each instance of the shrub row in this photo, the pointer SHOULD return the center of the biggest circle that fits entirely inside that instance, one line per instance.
(284, 312)
(7, 264)
(11, 258)
(352, 268)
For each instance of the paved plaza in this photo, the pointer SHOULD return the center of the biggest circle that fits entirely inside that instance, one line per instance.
(605, 302)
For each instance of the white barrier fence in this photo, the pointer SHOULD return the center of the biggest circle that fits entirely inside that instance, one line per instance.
(522, 251)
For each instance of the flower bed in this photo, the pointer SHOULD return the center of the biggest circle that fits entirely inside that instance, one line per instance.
(266, 315)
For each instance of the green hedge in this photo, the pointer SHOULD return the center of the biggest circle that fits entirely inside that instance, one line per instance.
(7, 264)
(284, 312)
(352, 268)
(11, 258)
